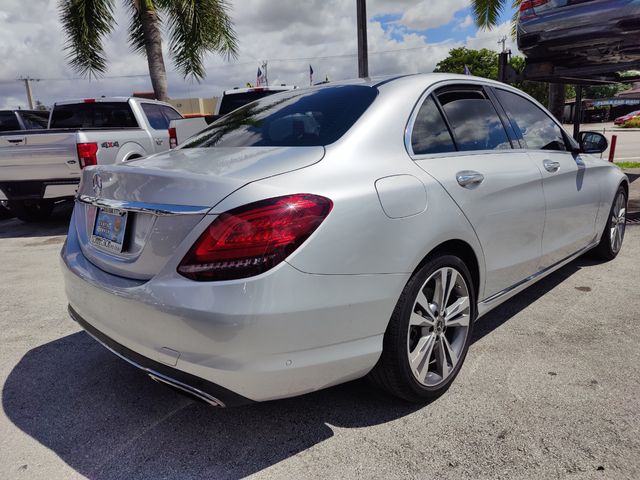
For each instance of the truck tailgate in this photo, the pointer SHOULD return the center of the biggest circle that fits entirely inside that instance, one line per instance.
(41, 156)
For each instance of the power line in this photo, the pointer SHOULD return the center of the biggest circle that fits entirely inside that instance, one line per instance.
(238, 64)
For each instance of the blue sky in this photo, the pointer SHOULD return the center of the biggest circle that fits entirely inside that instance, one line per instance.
(456, 29)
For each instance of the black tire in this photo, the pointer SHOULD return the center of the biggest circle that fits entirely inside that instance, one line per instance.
(605, 249)
(393, 372)
(31, 210)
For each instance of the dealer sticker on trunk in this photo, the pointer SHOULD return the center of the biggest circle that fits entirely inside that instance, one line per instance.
(108, 231)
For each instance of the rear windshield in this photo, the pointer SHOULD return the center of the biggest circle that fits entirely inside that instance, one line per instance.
(290, 119)
(93, 115)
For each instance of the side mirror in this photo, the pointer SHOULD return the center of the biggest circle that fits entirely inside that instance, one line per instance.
(593, 142)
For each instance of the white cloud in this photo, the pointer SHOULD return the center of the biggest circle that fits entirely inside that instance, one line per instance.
(432, 13)
(317, 32)
(467, 22)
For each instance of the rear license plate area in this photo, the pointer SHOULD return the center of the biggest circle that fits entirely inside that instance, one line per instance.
(109, 229)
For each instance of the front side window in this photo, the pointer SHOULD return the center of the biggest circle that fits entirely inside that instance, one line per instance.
(297, 118)
(430, 133)
(537, 128)
(474, 120)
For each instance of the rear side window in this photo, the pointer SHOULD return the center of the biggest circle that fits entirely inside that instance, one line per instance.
(314, 117)
(474, 120)
(35, 120)
(537, 128)
(8, 121)
(430, 133)
(170, 113)
(159, 116)
(93, 115)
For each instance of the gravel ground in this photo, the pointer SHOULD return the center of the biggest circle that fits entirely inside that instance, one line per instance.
(550, 389)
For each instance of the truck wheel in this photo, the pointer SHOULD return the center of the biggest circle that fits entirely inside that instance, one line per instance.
(31, 210)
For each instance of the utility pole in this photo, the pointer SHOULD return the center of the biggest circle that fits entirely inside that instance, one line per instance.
(27, 84)
(266, 76)
(363, 55)
(503, 41)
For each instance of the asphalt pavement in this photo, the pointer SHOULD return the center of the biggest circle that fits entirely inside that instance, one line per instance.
(550, 389)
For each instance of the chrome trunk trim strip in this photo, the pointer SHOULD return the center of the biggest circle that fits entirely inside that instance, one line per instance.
(158, 209)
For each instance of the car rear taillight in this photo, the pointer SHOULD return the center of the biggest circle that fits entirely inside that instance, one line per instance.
(173, 138)
(254, 238)
(527, 8)
(87, 154)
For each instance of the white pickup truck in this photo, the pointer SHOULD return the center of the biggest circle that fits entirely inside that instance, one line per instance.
(181, 129)
(39, 167)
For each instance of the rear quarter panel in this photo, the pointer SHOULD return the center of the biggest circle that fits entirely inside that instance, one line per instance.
(358, 237)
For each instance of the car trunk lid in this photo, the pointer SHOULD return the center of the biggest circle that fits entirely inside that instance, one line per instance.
(164, 197)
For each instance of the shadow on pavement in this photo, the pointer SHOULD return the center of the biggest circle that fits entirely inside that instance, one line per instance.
(500, 315)
(107, 420)
(56, 224)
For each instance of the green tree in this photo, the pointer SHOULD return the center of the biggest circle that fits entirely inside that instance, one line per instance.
(484, 63)
(487, 14)
(194, 27)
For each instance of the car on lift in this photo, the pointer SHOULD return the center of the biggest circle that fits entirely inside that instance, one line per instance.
(579, 31)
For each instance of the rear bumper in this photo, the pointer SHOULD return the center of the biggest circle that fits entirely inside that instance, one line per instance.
(206, 391)
(280, 334)
(38, 189)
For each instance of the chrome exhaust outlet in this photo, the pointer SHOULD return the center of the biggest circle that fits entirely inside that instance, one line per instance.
(189, 390)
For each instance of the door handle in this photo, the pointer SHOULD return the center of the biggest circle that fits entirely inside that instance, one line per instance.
(551, 166)
(469, 178)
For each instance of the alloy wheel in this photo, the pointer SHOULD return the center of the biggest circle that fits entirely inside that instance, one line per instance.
(439, 326)
(617, 223)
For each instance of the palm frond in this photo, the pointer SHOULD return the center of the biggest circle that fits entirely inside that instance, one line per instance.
(136, 34)
(86, 22)
(195, 28)
(487, 12)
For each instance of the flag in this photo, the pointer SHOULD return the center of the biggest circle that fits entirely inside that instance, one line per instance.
(259, 78)
(466, 70)
(310, 75)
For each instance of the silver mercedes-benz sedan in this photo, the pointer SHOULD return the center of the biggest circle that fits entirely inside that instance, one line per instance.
(330, 233)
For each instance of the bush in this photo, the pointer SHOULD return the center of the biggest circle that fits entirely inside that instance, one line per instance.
(633, 123)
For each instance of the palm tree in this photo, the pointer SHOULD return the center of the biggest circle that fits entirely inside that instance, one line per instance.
(194, 27)
(487, 15)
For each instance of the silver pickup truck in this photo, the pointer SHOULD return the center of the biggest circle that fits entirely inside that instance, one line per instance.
(39, 167)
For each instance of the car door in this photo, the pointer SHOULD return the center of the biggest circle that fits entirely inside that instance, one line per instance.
(571, 190)
(459, 138)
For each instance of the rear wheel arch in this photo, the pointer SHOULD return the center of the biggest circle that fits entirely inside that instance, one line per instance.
(130, 150)
(462, 250)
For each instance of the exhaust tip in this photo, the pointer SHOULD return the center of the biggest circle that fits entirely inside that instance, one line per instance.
(187, 390)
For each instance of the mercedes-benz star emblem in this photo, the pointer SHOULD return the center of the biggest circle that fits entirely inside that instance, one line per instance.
(97, 184)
